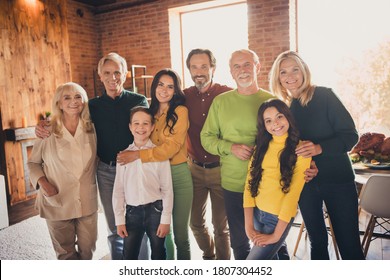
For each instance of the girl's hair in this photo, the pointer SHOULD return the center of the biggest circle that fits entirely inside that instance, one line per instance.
(178, 97)
(141, 109)
(306, 90)
(57, 113)
(287, 157)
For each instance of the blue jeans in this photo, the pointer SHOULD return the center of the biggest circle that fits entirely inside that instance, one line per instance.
(105, 179)
(266, 223)
(140, 220)
(341, 201)
(235, 214)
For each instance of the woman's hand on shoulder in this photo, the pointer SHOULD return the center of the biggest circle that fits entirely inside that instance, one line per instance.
(308, 149)
(124, 157)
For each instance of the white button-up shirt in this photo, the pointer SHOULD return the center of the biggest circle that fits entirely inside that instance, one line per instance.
(138, 183)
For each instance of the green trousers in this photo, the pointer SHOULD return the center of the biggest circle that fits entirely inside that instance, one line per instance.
(182, 204)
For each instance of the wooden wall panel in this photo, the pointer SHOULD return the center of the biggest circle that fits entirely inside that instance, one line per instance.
(34, 60)
(34, 57)
(15, 174)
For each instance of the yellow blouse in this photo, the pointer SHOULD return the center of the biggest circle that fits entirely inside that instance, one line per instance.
(172, 146)
(271, 199)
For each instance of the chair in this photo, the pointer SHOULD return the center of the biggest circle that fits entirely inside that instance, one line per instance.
(330, 232)
(375, 200)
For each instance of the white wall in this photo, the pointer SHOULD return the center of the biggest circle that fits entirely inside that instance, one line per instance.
(4, 222)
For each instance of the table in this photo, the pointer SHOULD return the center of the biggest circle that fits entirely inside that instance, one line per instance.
(362, 172)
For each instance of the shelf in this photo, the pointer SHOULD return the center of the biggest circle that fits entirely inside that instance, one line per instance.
(143, 77)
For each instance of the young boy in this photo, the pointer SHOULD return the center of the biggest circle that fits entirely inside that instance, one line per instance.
(143, 194)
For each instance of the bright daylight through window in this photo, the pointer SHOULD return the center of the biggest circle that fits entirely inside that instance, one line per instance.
(347, 46)
(214, 29)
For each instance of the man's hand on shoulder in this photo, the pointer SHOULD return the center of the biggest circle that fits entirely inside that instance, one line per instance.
(42, 129)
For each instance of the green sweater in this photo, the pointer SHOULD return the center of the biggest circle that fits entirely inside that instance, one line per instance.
(327, 122)
(232, 119)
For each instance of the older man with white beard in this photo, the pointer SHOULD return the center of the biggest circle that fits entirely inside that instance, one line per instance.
(230, 131)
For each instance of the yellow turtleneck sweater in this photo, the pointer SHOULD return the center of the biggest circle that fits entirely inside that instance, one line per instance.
(270, 198)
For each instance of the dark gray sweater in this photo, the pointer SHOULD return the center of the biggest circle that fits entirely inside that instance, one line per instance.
(327, 122)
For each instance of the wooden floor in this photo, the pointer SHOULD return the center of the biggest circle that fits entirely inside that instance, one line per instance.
(379, 248)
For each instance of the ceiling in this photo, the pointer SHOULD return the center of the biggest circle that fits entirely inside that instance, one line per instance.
(104, 6)
(96, 3)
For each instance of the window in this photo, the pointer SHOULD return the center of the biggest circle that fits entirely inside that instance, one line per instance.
(205, 26)
(347, 47)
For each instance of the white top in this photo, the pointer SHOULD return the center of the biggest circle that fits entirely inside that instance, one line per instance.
(69, 163)
(138, 183)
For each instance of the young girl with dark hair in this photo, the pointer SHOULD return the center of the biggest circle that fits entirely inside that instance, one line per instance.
(274, 182)
(170, 138)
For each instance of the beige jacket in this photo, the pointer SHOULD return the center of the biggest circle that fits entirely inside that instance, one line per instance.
(69, 163)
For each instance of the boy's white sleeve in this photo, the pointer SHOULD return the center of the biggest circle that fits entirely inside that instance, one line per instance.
(118, 196)
(166, 189)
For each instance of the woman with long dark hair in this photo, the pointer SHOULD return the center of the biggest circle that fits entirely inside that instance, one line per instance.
(275, 180)
(169, 136)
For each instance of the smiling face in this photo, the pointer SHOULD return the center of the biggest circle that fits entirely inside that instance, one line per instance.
(141, 126)
(275, 122)
(71, 103)
(201, 70)
(291, 76)
(112, 78)
(244, 69)
(165, 90)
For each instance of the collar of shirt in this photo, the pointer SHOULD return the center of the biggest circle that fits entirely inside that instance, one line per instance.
(148, 145)
(108, 98)
(157, 117)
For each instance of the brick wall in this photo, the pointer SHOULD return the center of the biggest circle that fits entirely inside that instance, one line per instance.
(141, 35)
(84, 45)
(268, 24)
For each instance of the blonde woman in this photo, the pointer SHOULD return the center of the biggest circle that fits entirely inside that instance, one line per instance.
(329, 133)
(63, 168)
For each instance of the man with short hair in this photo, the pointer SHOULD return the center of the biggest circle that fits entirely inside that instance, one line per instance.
(229, 132)
(110, 113)
(205, 167)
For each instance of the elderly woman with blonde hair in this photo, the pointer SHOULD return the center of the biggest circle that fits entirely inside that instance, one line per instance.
(63, 169)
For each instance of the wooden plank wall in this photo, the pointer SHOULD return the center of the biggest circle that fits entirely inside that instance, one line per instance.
(34, 60)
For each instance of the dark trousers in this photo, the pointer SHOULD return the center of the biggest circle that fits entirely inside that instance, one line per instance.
(140, 220)
(235, 215)
(341, 201)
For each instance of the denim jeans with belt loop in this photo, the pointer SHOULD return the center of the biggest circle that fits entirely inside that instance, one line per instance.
(143, 219)
(265, 222)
